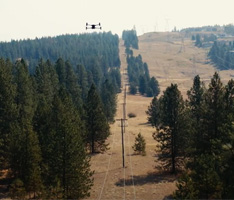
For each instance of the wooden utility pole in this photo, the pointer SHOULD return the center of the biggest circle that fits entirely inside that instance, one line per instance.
(124, 107)
(122, 132)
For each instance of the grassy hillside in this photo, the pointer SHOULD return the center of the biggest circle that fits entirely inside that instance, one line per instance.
(172, 61)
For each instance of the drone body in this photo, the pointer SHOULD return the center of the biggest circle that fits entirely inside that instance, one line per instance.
(93, 26)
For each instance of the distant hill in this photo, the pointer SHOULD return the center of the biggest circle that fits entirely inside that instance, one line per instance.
(172, 57)
(220, 30)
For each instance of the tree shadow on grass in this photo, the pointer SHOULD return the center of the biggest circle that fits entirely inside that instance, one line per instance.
(4, 183)
(145, 124)
(150, 178)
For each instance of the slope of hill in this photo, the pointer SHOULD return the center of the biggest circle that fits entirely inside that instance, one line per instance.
(170, 62)
(139, 179)
(173, 58)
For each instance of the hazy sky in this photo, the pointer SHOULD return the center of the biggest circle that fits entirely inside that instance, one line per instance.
(22, 19)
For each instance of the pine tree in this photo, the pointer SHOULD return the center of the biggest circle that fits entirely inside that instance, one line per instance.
(132, 89)
(96, 72)
(170, 134)
(82, 80)
(109, 100)
(198, 42)
(154, 86)
(7, 109)
(47, 86)
(25, 149)
(142, 85)
(153, 112)
(72, 86)
(196, 106)
(146, 70)
(97, 125)
(139, 145)
(196, 97)
(69, 167)
(149, 92)
(17, 190)
(218, 124)
(46, 80)
(203, 182)
(214, 117)
(209, 169)
(227, 168)
(61, 71)
(229, 98)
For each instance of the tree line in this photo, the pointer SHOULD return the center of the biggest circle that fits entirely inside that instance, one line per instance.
(225, 29)
(203, 40)
(202, 29)
(54, 114)
(130, 39)
(196, 137)
(86, 49)
(222, 55)
(47, 129)
(138, 72)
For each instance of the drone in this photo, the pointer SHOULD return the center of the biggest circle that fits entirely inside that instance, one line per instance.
(93, 26)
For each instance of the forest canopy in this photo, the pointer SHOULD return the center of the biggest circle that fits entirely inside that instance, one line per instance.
(84, 49)
(57, 98)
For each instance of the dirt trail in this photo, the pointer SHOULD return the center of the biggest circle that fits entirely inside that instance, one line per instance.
(139, 179)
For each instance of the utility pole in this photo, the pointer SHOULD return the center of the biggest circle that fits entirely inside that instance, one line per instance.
(122, 132)
(124, 115)
(123, 122)
(182, 47)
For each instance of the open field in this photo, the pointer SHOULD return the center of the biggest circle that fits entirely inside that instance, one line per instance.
(139, 179)
(172, 61)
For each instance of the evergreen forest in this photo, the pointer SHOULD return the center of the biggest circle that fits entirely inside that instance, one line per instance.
(57, 99)
(138, 72)
(195, 138)
(222, 54)
(85, 49)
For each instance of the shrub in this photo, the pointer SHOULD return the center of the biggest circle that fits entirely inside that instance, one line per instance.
(131, 115)
(17, 189)
(139, 146)
(133, 89)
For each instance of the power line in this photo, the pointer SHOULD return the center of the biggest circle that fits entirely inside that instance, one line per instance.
(130, 159)
(107, 171)
(122, 121)
(224, 61)
(182, 47)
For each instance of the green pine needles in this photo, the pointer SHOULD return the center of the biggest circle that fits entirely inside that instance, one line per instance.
(196, 137)
(139, 146)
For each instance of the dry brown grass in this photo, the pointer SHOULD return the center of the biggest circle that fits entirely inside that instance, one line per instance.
(140, 179)
(166, 61)
(168, 65)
